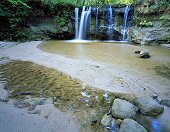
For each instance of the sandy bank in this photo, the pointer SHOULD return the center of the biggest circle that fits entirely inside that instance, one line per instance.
(14, 120)
(96, 74)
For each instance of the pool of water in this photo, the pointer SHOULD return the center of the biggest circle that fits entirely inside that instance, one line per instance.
(122, 59)
(122, 56)
(114, 52)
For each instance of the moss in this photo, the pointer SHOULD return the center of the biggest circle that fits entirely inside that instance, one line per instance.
(145, 23)
(163, 70)
(38, 81)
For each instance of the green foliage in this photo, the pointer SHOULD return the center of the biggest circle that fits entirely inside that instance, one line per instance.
(160, 5)
(165, 20)
(60, 20)
(52, 3)
(107, 2)
(13, 12)
(144, 23)
(23, 34)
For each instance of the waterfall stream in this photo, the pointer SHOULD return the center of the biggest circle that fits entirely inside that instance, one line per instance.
(125, 24)
(110, 27)
(91, 23)
(76, 22)
(96, 30)
(84, 23)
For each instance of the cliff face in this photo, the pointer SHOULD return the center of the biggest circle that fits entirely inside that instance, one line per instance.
(151, 23)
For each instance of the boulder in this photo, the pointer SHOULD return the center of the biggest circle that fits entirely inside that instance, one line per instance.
(106, 120)
(145, 54)
(166, 45)
(137, 52)
(129, 125)
(118, 122)
(165, 102)
(123, 109)
(149, 106)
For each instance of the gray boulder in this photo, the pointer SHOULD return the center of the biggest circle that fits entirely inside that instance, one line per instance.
(129, 125)
(123, 109)
(144, 54)
(165, 102)
(118, 122)
(136, 36)
(106, 120)
(149, 106)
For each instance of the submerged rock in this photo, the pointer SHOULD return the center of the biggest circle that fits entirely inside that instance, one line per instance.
(123, 109)
(106, 120)
(149, 106)
(129, 125)
(137, 52)
(145, 54)
(118, 122)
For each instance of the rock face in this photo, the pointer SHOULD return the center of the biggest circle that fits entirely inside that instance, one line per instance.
(149, 35)
(129, 125)
(166, 45)
(149, 106)
(145, 54)
(136, 36)
(54, 30)
(123, 109)
(106, 120)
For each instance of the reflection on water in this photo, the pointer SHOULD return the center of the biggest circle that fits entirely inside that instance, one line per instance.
(156, 124)
(107, 52)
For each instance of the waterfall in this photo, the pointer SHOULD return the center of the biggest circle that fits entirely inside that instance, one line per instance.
(96, 30)
(76, 22)
(110, 34)
(83, 13)
(103, 26)
(84, 23)
(125, 23)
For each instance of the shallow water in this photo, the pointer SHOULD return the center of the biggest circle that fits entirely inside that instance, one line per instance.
(160, 123)
(114, 53)
(122, 58)
(40, 80)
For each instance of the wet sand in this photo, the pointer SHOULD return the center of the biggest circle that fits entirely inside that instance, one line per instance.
(120, 71)
(111, 67)
(129, 73)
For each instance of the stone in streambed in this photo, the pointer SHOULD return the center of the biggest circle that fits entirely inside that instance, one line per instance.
(137, 52)
(149, 106)
(123, 109)
(165, 102)
(129, 125)
(145, 54)
(106, 120)
(118, 122)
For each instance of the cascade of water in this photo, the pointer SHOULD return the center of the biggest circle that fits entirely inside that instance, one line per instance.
(110, 34)
(96, 30)
(84, 23)
(76, 23)
(125, 23)
(87, 22)
(83, 14)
